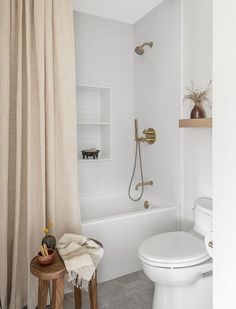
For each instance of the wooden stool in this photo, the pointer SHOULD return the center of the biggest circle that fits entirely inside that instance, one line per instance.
(56, 272)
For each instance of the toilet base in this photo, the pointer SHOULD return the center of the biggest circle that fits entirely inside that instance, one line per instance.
(195, 295)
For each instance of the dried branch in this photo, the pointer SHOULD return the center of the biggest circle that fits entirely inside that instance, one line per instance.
(198, 96)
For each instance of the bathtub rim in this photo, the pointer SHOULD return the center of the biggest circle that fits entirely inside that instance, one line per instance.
(129, 214)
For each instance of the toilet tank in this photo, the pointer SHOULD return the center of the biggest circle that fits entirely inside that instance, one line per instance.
(203, 215)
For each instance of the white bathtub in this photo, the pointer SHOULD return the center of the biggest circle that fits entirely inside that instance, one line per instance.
(122, 225)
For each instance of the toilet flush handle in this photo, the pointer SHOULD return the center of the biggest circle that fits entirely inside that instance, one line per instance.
(206, 274)
(210, 244)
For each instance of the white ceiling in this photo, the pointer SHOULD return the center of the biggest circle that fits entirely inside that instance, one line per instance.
(128, 11)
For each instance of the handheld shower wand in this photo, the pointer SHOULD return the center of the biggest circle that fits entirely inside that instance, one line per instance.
(136, 129)
(137, 153)
(150, 138)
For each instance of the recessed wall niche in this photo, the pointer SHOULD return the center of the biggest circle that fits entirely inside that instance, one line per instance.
(94, 121)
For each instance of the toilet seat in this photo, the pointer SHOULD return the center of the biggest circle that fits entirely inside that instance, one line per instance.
(173, 250)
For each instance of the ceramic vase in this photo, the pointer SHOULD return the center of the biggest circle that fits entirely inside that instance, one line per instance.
(197, 111)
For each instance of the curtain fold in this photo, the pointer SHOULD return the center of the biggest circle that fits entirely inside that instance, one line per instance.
(38, 137)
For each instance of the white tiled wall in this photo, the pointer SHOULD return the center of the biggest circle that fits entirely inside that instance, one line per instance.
(104, 53)
(157, 97)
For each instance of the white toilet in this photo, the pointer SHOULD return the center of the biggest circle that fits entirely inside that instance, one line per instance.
(179, 265)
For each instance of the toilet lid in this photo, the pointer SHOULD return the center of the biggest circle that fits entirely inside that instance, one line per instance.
(173, 249)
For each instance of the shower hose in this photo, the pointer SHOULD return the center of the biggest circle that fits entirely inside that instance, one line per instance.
(137, 153)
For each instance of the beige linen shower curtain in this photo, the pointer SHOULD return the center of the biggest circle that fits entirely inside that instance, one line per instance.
(38, 150)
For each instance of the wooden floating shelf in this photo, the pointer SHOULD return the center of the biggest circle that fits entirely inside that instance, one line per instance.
(196, 123)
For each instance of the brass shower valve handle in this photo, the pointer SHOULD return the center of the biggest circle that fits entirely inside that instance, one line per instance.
(150, 136)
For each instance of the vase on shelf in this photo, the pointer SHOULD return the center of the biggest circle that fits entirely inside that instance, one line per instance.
(197, 111)
(198, 97)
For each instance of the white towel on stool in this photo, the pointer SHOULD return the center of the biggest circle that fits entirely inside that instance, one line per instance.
(81, 257)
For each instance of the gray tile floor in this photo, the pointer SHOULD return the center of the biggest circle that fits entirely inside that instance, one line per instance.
(134, 291)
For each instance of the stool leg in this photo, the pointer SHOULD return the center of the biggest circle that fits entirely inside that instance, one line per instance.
(58, 293)
(42, 294)
(93, 293)
(78, 297)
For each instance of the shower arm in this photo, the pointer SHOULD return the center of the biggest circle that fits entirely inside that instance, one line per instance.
(147, 44)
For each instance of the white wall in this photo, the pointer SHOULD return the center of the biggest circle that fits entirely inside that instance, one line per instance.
(224, 153)
(104, 53)
(196, 157)
(157, 97)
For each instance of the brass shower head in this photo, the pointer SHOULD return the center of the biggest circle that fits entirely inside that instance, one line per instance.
(140, 49)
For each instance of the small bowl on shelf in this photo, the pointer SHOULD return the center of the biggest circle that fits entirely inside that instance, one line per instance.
(46, 260)
(90, 153)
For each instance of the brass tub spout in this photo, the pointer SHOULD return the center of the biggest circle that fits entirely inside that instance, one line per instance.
(142, 184)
